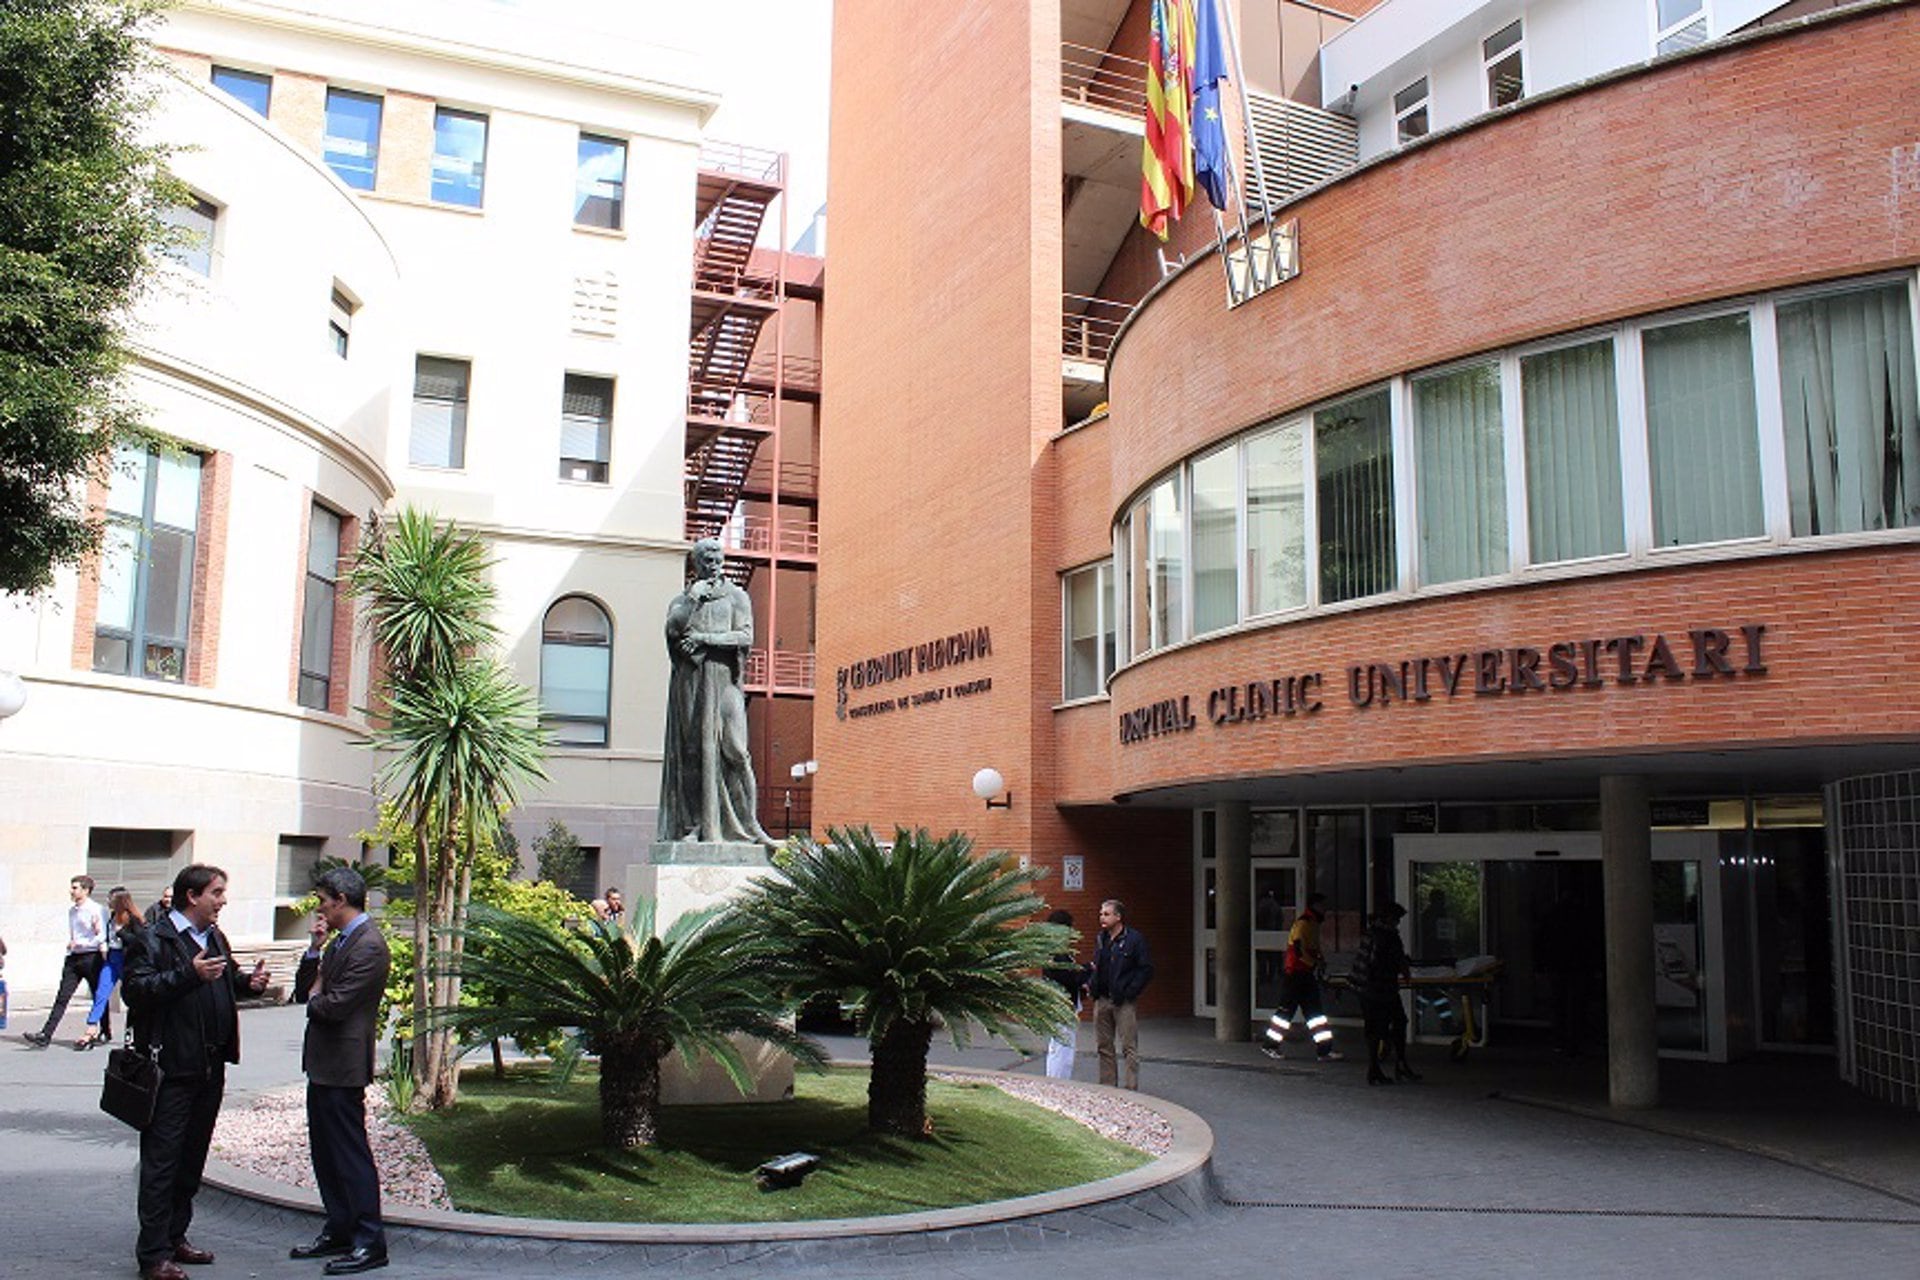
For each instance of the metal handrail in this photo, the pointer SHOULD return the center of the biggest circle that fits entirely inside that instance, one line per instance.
(1106, 81)
(801, 371)
(790, 536)
(1088, 326)
(791, 669)
(741, 161)
(729, 404)
(795, 477)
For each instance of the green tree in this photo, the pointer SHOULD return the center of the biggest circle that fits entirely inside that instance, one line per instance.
(911, 937)
(558, 854)
(461, 736)
(629, 996)
(80, 217)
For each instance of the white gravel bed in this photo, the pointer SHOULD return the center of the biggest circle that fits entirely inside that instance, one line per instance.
(268, 1137)
(1129, 1122)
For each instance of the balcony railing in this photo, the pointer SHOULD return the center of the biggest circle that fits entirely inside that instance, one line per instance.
(1088, 326)
(802, 372)
(756, 164)
(1105, 81)
(790, 669)
(762, 535)
(797, 479)
(729, 404)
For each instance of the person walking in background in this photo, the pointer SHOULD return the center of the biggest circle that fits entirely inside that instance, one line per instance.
(616, 907)
(1378, 967)
(86, 953)
(341, 985)
(122, 916)
(161, 907)
(1122, 968)
(1071, 977)
(182, 991)
(1300, 987)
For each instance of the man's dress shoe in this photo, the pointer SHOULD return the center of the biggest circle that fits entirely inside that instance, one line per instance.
(323, 1246)
(191, 1254)
(364, 1257)
(165, 1269)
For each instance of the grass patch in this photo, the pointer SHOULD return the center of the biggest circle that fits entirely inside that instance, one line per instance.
(529, 1146)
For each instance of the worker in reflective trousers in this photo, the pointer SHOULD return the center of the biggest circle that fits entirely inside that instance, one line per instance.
(1300, 987)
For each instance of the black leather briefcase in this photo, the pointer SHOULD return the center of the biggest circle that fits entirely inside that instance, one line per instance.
(132, 1086)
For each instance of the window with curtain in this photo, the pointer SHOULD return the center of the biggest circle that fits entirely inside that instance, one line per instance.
(1166, 521)
(1089, 617)
(459, 157)
(1460, 474)
(1570, 418)
(1277, 520)
(351, 147)
(146, 564)
(1353, 464)
(576, 672)
(438, 437)
(586, 428)
(1216, 539)
(1852, 411)
(316, 615)
(1703, 437)
(1140, 575)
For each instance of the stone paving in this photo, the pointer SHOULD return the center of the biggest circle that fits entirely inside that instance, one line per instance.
(1507, 1165)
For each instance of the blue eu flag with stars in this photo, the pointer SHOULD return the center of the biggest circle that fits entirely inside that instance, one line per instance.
(1209, 130)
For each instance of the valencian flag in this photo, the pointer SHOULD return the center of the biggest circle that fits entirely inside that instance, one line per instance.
(1166, 164)
(1209, 130)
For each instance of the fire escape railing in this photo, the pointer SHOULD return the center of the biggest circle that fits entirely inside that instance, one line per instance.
(1102, 80)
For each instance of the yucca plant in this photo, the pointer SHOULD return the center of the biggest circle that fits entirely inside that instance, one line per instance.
(911, 936)
(630, 997)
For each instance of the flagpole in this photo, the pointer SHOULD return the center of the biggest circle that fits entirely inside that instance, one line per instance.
(1227, 15)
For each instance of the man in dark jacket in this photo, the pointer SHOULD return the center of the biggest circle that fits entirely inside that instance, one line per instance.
(1122, 968)
(341, 985)
(1378, 968)
(181, 989)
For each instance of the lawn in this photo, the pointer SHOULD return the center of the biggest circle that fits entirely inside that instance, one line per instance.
(530, 1146)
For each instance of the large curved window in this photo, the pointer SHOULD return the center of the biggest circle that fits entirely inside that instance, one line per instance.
(576, 672)
(1723, 430)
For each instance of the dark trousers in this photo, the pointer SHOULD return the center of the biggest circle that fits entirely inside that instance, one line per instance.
(1386, 1027)
(80, 966)
(343, 1163)
(173, 1155)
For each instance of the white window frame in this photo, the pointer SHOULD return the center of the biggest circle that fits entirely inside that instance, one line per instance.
(1101, 570)
(342, 306)
(1488, 61)
(1424, 103)
(1633, 481)
(1703, 15)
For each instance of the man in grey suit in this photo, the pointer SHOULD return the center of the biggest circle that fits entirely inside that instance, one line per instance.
(341, 984)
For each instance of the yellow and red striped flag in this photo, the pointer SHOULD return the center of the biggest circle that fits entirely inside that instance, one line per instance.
(1166, 163)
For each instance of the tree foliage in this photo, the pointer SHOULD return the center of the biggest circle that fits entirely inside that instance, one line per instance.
(910, 937)
(558, 854)
(80, 217)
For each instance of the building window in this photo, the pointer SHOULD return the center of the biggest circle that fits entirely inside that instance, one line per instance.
(459, 157)
(1353, 464)
(599, 182)
(317, 609)
(1678, 25)
(438, 437)
(586, 428)
(352, 146)
(1570, 418)
(1277, 520)
(1090, 627)
(1410, 112)
(1504, 56)
(1852, 411)
(190, 240)
(1703, 438)
(140, 860)
(1165, 577)
(251, 89)
(1216, 540)
(1460, 474)
(340, 309)
(146, 564)
(576, 672)
(297, 864)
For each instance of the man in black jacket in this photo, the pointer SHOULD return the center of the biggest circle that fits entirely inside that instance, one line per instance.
(1122, 968)
(182, 989)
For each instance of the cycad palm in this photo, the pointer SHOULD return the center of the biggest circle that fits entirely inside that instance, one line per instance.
(921, 933)
(631, 997)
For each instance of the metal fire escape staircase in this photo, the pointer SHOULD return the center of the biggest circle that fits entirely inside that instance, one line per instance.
(728, 414)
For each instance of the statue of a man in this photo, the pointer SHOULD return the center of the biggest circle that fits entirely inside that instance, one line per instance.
(707, 788)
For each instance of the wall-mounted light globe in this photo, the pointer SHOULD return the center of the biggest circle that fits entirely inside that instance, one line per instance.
(13, 694)
(988, 784)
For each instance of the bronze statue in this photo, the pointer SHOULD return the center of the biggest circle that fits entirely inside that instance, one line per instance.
(707, 789)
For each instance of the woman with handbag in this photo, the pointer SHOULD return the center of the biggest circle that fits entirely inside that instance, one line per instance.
(122, 916)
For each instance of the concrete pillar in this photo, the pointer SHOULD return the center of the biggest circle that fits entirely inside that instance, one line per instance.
(1233, 921)
(1626, 873)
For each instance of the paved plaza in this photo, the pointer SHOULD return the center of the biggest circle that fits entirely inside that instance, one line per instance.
(1506, 1165)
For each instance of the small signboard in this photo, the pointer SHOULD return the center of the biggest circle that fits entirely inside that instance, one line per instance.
(1073, 873)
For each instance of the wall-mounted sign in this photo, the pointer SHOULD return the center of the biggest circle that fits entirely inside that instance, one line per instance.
(1073, 873)
(909, 661)
(1561, 666)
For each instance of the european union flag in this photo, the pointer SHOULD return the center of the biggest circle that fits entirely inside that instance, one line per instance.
(1210, 163)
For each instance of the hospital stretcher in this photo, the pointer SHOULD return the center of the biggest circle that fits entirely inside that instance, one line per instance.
(1465, 987)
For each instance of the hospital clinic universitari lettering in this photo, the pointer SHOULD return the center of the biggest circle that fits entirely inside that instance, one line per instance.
(1705, 653)
(930, 656)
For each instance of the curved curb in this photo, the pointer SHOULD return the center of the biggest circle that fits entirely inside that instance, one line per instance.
(1175, 1185)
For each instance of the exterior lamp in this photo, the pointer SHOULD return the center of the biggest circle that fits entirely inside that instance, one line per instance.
(13, 694)
(805, 769)
(987, 784)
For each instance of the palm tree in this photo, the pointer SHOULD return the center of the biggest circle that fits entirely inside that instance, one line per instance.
(629, 996)
(463, 734)
(910, 936)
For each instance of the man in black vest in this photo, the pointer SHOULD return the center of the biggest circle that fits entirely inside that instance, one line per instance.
(181, 989)
(341, 985)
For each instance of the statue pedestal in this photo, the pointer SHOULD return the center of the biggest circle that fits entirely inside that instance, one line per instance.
(690, 875)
